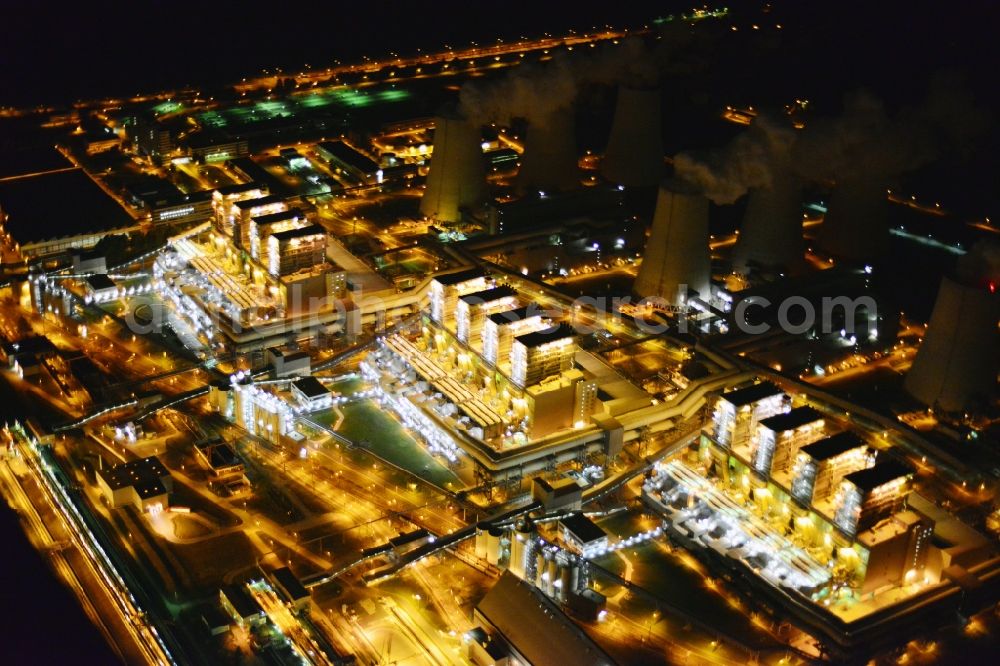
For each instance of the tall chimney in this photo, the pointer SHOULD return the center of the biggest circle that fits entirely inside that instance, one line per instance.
(550, 157)
(771, 234)
(634, 156)
(457, 176)
(676, 254)
(960, 355)
(856, 224)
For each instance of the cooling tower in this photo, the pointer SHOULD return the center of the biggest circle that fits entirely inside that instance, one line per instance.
(634, 156)
(676, 253)
(856, 225)
(960, 355)
(771, 234)
(550, 158)
(457, 176)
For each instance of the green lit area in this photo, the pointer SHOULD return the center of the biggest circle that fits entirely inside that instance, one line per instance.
(170, 106)
(212, 119)
(283, 108)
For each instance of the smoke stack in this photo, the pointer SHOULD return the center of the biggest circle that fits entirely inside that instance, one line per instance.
(856, 224)
(550, 157)
(960, 354)
(677, 250)
(634, 156)
(457, 176)
(771, 234)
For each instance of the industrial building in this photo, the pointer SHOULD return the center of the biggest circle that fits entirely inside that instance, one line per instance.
(263, 226)
(145, 484)
(245, 210)
(541, 354)
(472, 309)
(295, 250)
(224, 200)
(311, 394)
(582, 535)
(241, 606)
(445, 290)
(532, 628)
(779, 438)
(737, 413)
(286, 363)
(500, 329)
(870, 494)
(820, 466)
(348, 160)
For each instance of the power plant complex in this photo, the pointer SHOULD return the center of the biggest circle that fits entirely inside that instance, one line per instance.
(600, 348)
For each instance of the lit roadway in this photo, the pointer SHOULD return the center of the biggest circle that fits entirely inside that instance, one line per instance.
(144, 635)
(496, 51)
(87, 585)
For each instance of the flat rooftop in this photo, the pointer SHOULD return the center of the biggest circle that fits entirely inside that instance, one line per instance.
(833, 446)
(517, 314)
(311, 230)
(239, 188)
(56, 205)
(791, 420)
(552, 334)
(879, 475)
(488, 295)
(751, 394)
(271, 218)
(145, 475)
(290, 584)
(247, 204)
(100, 281)
(311, 387)
(350, 156)
(583, 528)
(241, 601)
(536, 627)
(461, 276)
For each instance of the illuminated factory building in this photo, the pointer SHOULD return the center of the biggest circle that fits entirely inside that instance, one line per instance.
(779, 438)
(500, 329)
(869, 494)
(296, 249)
(738, 412)
(472, 309)
(224, 202)
(820, 466)
(263, 226)
(445, 290)
(535, 356)
(246, 210)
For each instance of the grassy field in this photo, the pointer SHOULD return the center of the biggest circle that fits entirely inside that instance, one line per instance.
(370, 426)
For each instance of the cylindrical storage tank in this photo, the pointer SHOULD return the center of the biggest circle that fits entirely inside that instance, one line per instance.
(771, 234)
(960, 355)
(480, 542)
(539, 561)
(676, 260)
(493, 537)
(634, 156)
(856, 224)
(457, 176)
(549, 162)
(550, 583)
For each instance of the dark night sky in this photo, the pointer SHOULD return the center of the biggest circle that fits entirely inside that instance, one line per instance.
(51, 52)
